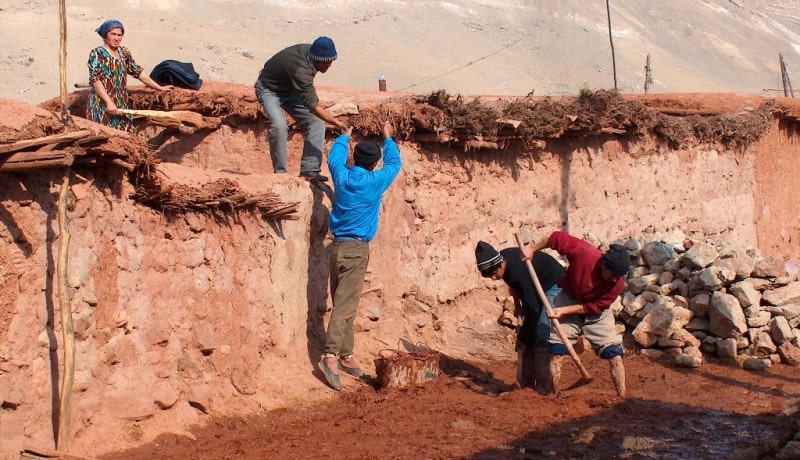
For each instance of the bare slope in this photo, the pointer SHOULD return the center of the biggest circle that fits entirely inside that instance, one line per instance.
(473, 47)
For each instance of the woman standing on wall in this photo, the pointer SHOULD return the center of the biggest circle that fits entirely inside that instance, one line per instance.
(109, 66)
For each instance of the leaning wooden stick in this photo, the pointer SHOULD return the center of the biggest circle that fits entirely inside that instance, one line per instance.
(554, 321)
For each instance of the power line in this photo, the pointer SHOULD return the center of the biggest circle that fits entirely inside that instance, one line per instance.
(470, 63)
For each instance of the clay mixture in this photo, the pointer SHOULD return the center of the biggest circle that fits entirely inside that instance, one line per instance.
(475, 411)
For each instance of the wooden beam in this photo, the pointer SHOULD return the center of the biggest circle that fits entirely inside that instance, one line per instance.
(54, 139)
(33, 161)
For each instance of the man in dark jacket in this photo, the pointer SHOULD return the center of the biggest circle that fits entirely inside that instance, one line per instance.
(532, 335)
(287, 83)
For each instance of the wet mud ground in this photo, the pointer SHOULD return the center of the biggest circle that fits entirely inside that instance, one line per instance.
(475, 411)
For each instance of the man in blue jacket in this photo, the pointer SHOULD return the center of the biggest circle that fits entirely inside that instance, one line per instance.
(353, 223)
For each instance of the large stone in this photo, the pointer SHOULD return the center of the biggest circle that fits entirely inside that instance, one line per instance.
(656, 253)
(726, 348)
(742, 266)
(757, 364)
(790, 353)
(745, 293)
(760, 319)
(700, 255)
(688, 361)
(699, 304)
(770, 267)
(715, 277)
(686, 337)
(763, 346)
(726, 318)
(790, 312)
(637, 285)
(783, 295)
(780, 330)
(660, 322)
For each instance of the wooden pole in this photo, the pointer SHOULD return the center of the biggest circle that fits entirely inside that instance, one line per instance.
(648, 77)
(62, 60)
(65, 399)
(68, 332)
(611, 39)
(787, 85)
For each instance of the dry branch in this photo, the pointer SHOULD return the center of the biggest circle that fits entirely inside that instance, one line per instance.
(47, 140)
(33, 161)
(183, 116)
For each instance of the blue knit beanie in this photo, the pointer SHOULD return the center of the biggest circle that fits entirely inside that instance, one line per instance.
(322, 50)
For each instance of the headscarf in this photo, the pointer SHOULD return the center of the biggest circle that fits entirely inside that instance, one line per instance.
(107, 26)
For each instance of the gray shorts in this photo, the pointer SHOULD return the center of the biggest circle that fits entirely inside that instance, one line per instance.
(598, 329)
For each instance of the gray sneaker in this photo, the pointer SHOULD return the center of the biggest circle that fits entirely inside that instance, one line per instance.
(333, 379)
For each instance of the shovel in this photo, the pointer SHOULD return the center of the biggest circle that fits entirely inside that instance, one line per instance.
(585, 377)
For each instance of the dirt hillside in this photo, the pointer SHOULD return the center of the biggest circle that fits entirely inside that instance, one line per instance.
(473, 47)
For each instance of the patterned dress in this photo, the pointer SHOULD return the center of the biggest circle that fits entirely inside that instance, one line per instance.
(112, 73)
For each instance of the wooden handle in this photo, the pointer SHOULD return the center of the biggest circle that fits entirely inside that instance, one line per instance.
(185, 116)
(556, 324)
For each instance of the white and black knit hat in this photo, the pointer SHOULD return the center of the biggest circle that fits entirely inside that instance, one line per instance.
(487, 257)
(322, 50)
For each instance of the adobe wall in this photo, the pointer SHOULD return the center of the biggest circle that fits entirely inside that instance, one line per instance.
(776, 204)
(181, 318)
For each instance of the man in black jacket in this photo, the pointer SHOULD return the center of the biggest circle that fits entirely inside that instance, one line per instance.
(532, 335)
(287, 83)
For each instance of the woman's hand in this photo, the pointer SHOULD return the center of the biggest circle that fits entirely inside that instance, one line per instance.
(111, 108)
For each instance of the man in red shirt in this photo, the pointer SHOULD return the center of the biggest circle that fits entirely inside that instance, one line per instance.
(592, 282)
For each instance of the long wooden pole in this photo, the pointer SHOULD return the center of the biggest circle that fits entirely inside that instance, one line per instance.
(611, 39)
(556, 324)
(787, 85)
(68, 332)
(65, 399)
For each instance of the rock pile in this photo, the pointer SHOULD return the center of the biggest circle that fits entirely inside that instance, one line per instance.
(686, 298)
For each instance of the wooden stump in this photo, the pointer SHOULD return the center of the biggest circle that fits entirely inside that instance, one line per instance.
(397, 369)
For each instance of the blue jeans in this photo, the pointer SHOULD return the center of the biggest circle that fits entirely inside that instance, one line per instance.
(543, 322)
(313, 129)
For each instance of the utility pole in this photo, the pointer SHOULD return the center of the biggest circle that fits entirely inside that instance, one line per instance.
(787, 85)
(648, 75)
(611, 39)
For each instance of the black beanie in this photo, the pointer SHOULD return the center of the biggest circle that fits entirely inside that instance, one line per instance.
(366, 154)
(617, 259)
(487, 257)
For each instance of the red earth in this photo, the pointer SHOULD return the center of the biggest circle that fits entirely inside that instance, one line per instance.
(475, 411)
